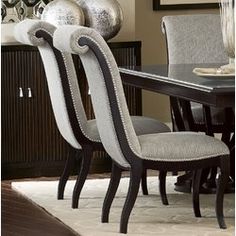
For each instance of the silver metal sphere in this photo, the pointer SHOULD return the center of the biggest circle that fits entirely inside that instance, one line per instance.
(63, 12)
(105, 16)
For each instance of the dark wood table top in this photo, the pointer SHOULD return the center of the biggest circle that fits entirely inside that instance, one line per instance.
(179, 81)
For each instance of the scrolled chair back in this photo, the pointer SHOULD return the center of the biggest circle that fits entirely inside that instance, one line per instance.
(111, 112)
(62, 79)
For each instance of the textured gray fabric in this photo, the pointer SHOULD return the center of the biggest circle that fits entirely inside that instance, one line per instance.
(57, 95)
(76, 96)
(180, 146)
(25, 33)
(142, 125)
(145, 125)
(98, 90)
(101, 108)
(28, 28)
(194, 39)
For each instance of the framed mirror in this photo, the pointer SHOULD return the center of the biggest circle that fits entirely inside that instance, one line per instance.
(184, 4)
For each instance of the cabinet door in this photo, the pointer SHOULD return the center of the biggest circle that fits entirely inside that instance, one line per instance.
(11, 96)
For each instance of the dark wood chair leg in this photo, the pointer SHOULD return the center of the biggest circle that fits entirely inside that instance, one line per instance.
(111, 192)
(135, 177)
(232, 157)
(195, 195)
(66, 172)
(229, 121)
(84, 169)
(222, 182)
(144, 182)
(162, 187)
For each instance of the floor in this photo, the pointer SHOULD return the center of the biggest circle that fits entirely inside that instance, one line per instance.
(20, 217)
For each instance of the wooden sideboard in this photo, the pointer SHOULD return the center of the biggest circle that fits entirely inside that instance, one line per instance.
(31, 145)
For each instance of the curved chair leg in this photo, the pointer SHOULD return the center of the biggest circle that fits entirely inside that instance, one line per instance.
(135, 177)
(222, 182)
(195, 195)
(162, 187)
(66, 173)
(144, 182)
(84, 169)
(111, 192)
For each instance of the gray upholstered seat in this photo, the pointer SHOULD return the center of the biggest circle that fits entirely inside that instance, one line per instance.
(142, 125)
(169, 147)
(118, 135)
(195, 39)
(69, 112)
(147, 125)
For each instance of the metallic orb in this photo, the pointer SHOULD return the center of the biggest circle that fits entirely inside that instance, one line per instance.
(105, 16)
(63, 12)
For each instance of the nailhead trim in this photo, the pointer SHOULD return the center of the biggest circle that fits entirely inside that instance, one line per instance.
(122, 118)
(119, 105)
(73, 98)
(34, 38)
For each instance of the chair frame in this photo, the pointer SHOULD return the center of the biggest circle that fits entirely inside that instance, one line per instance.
(137, 164)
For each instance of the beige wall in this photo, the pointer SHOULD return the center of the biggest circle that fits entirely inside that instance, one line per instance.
(147, 28)
(142, 23)
(127, 31)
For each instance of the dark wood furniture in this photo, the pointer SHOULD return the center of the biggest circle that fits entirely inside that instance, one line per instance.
(31, 144)
(179, 81)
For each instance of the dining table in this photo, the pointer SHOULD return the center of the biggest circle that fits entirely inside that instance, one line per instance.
(179, 81)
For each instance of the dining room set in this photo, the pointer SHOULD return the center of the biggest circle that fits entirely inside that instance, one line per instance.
(198, 79)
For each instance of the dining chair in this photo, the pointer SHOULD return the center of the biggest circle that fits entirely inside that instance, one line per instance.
(169, 151)
(68, 109)
(197, 39)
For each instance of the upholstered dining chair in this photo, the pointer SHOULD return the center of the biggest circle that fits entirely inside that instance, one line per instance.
(197, 39)
(163, 151)
(80, 133)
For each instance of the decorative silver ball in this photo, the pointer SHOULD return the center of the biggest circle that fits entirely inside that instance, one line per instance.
(63, 12)
(105, 16)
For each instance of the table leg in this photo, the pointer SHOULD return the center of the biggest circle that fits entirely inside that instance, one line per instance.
(208, 185)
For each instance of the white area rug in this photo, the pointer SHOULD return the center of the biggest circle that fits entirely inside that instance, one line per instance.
(149, 216)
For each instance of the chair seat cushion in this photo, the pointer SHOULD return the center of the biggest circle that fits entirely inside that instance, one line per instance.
(142, 125)
(180, 146)
(145, 125)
